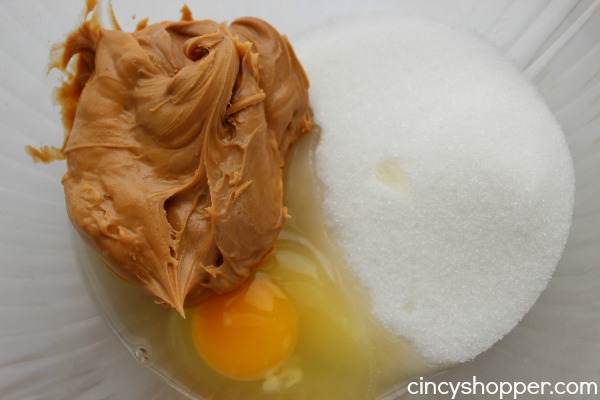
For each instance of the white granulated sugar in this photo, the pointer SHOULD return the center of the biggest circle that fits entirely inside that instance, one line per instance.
(447, 182)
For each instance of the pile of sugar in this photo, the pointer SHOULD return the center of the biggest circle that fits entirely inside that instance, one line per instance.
(446, 181)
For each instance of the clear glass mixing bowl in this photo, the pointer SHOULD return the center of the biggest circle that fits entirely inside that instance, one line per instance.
(60, 313)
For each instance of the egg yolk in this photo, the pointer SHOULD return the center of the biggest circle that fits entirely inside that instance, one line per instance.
(248, 332)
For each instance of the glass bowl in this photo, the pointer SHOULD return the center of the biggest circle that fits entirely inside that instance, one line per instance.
(62, 335)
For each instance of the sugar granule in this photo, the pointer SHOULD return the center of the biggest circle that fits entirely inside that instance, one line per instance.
(447, 182)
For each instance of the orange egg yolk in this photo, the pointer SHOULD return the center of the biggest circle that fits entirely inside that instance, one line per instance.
(248, 332)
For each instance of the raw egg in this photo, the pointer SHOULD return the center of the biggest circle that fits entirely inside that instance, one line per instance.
(248, 332)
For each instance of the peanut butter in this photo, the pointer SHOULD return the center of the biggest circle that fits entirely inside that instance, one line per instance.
(180, 132)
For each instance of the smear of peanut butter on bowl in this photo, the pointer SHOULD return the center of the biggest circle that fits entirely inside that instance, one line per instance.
(178, 134)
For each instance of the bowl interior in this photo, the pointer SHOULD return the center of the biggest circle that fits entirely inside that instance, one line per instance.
(53, 323)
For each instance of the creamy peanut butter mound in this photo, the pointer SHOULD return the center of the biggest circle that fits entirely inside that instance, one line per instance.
(180, 132)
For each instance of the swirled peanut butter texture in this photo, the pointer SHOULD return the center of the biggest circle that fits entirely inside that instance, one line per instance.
(177, 148)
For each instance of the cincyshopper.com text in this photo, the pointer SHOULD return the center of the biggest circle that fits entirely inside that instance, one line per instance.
(504, 390)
